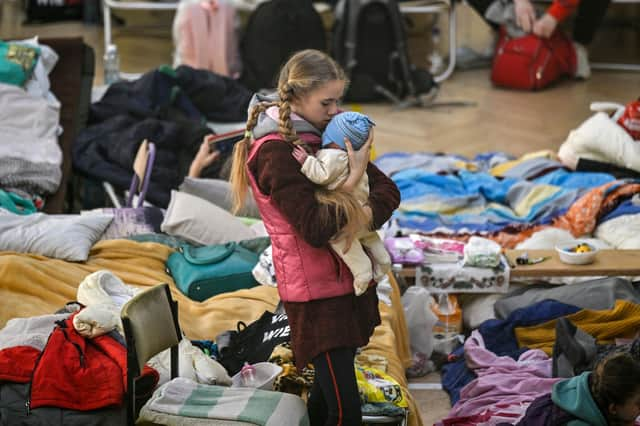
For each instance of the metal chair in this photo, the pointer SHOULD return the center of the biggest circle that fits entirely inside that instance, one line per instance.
(107, 5)
(437, 7)
(142, 166)
(150, 323)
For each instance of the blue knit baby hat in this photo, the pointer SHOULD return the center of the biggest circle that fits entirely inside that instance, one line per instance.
(352, 125)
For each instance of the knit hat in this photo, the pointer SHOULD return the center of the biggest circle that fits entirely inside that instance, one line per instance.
(352, 125)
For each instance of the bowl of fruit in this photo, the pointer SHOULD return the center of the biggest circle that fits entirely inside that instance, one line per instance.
(576, 252)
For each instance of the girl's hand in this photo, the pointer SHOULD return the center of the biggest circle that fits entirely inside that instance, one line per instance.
(545, 26)
(358, 161)
(300, 154)
(203, 158)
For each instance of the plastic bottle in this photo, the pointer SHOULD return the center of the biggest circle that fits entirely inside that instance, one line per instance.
(403, 285)
(449, 323)
(435, 58)
(248, 374)
(111, 65)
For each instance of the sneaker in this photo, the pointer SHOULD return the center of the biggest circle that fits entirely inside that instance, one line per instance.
(583, 70)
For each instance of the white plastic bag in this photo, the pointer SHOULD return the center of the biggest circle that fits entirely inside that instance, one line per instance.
(482, 253)
(416, 302)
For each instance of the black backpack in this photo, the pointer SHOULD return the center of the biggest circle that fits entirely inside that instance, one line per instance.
(370, 42)
(276, 30)
(38, 11)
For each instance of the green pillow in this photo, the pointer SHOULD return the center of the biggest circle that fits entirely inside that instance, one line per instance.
(17, 62)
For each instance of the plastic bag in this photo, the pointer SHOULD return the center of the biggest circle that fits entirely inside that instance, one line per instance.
(420, 319)
(376, 386)
(482, 253)
(630, 119)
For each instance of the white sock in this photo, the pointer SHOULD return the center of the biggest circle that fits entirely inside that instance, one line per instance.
(583, 70)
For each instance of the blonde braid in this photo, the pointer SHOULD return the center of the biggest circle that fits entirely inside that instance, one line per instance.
(239, 179)
(285, 126)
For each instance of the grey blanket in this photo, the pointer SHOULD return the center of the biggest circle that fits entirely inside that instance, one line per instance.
(597, 294)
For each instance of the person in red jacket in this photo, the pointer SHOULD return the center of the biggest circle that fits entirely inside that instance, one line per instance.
(328, 322)
(588, 17)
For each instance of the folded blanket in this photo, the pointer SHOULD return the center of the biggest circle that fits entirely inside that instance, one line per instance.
(606, 325)
(186, 398)
(34, 178)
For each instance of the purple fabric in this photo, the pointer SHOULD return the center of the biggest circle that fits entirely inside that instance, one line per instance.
(499, 338)
(543, 412)
(501, 379)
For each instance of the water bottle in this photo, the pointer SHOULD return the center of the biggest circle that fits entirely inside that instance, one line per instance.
(111, 65)
(435, 58)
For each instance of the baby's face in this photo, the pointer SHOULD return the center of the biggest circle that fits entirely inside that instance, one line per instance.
(333, 145)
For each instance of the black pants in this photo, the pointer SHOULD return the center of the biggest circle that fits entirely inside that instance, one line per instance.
(588, 17)
(334, 399)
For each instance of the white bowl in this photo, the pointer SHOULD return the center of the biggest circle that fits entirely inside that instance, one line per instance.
(572, 258)
(265, 375)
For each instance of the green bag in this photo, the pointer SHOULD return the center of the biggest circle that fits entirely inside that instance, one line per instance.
(17, 62)
(203, 272)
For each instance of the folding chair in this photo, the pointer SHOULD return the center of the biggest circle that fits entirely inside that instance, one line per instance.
(107, 5)
(142, 166)
(437, 7)
(397, 420)
(150, 322)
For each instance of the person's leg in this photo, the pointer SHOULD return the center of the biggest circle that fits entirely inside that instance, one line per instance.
(335, 378)
(357, 261)
(317, 406)
(589, 17)
(381, 260)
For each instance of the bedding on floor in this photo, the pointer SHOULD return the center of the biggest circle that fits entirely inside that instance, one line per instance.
(32, 285)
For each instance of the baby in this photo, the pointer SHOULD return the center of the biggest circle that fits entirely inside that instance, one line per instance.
(330, 168)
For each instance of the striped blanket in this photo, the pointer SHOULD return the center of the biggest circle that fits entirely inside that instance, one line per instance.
(181, 398)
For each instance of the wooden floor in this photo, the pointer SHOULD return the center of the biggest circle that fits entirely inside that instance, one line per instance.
(515, 122)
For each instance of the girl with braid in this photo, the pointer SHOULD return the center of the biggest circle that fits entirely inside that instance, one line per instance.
(328, 321)
(609, 395)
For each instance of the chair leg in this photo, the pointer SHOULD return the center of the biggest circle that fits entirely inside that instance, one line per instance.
(106, 17)
(452, 45)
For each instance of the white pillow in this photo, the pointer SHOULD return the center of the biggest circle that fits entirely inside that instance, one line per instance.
(67, 237)
(201, 222)
(602, 139)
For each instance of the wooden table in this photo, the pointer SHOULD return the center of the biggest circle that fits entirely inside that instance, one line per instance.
(607, 263)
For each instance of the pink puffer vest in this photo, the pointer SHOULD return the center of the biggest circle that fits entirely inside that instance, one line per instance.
(303, 272)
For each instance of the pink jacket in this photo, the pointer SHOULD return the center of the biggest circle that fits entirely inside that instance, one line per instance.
(303, 272)
(205, 37)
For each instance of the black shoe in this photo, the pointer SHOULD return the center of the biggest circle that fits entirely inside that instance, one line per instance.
(573, 349)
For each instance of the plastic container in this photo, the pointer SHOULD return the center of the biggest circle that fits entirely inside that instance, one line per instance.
(448, 326)
(260, 375)
(447, 329)
(576, 252)
(449, 315)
